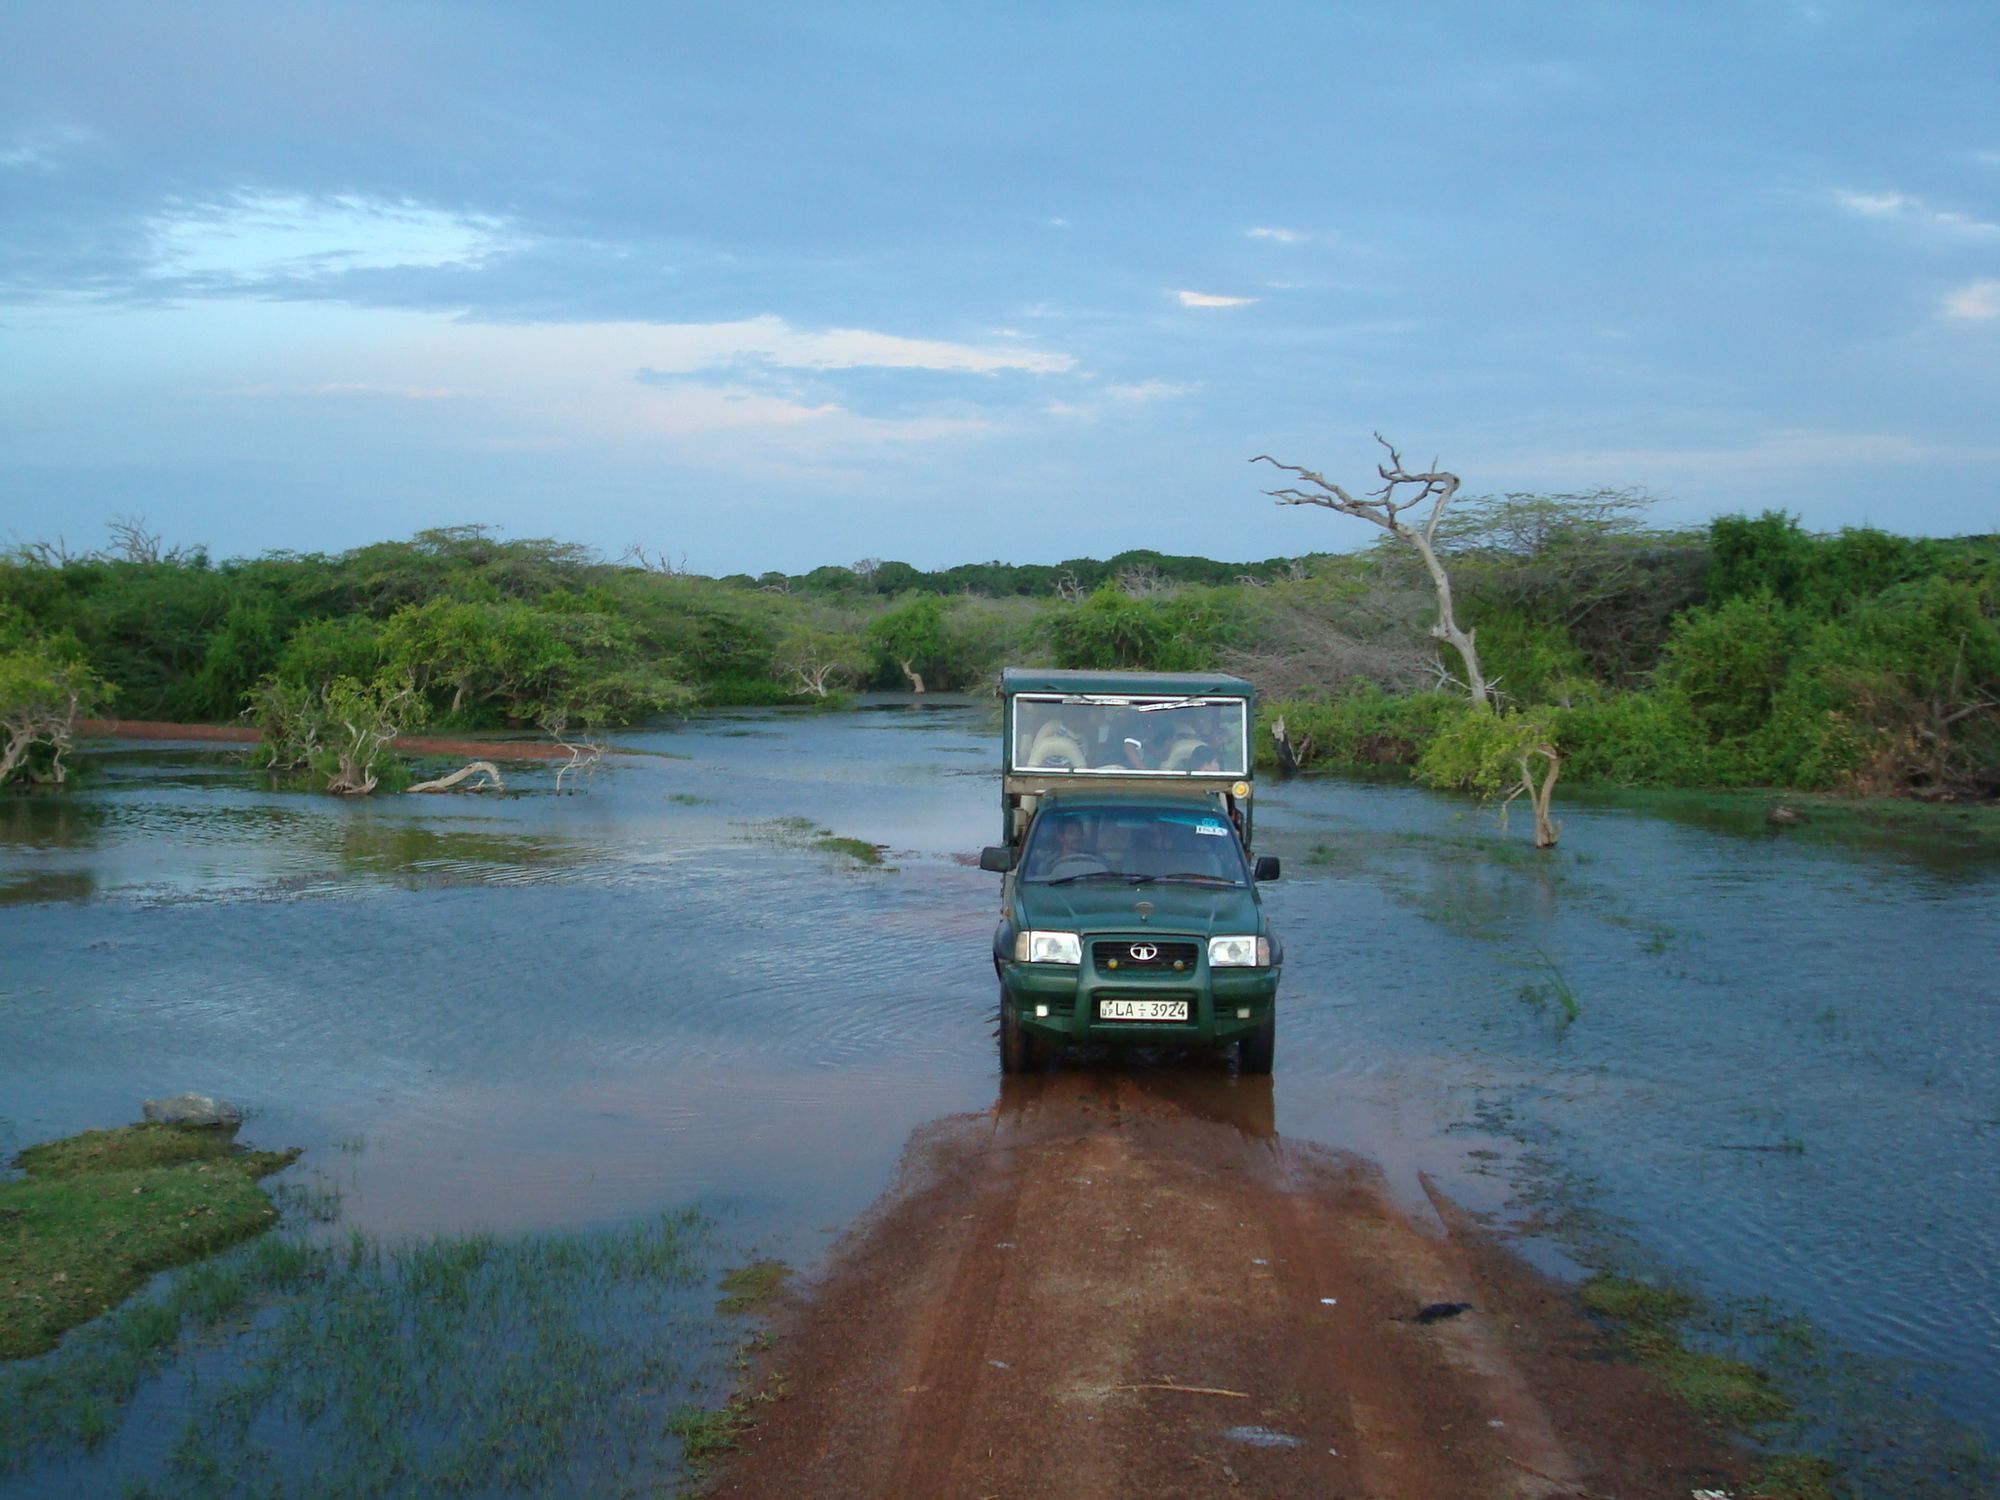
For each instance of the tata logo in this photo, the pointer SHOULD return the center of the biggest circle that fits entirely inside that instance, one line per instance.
(1144, 953)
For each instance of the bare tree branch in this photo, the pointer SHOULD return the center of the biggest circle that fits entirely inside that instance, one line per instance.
(1401, 491)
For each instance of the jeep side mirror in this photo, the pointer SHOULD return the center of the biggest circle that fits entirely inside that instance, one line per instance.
(1267, 867)
(996, 857)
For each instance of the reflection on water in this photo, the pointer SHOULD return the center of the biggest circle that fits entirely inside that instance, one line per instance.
(1775, 1057)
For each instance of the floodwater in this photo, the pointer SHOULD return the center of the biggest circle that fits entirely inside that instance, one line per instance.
(1767, 1059)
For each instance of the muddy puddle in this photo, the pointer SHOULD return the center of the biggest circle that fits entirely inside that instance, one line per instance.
(1763, 1063)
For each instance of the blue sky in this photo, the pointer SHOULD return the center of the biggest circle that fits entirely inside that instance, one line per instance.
(778, 285)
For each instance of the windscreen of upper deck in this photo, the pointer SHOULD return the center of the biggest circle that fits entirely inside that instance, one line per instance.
(1116, 735)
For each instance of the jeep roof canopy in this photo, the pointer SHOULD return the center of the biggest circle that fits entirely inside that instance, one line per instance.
(1179, 733)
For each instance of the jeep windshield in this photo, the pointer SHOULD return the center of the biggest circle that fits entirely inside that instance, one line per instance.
(1123, 734)
(1136, 845)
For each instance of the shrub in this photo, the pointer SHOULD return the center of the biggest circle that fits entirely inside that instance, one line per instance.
(1367, 727)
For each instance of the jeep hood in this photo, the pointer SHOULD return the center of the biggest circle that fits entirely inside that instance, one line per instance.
(1089, 906)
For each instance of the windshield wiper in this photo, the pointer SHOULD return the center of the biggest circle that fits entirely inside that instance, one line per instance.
(1100, 875)
(1196, 875)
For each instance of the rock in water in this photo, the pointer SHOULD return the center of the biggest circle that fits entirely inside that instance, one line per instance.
(192, 1109)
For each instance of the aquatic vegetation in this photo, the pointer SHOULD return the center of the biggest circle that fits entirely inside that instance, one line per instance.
(855, 849)
(796, 832)
(1652, 1326)
(451, 1362)
(100, 1212)
(754, 1287)
(1554, 991)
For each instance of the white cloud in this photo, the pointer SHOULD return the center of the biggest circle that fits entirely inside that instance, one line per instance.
(690, 346)
(685, 385)
(1209, 299)
(1978, 300)
(1282, 236)
(258, 235)
(1903, 208)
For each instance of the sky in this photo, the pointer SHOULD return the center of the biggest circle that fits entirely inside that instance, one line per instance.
(762, 286)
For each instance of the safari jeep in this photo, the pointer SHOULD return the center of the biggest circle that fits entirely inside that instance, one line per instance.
(1129, 915)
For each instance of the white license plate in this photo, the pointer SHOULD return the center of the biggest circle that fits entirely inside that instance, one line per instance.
(1142, 1010)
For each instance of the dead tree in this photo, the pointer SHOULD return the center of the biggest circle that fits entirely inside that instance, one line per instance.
(488, 773)
(584, 755)
(1384, 508)
(1540, 794)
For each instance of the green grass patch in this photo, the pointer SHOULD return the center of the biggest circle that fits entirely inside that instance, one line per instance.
(1652, 1323)
(98, 1213)
(803, 833)
(855, 849)
(754, 1287)
(542, 1363)
(1795, 1476)
(707, 1435)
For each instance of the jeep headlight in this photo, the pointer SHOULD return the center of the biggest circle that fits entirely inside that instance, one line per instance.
(1047, 948)
(1239, 953)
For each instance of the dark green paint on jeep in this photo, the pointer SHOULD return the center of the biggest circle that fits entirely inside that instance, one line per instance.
(1130, 915)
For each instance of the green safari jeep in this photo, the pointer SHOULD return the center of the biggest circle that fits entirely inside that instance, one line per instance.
(1129, 915)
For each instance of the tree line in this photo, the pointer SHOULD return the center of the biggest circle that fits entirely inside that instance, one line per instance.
(1747, 652)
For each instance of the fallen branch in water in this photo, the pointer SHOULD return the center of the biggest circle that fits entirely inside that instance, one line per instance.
(484, 768)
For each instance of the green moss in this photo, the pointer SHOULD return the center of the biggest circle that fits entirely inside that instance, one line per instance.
(754, 1287)
(100, 1212)
(1728, 1392)
(1795, 1476)
(1636, 1302)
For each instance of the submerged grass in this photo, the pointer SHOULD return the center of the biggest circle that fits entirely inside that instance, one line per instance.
(855, 849)
(708, 1433)
(803, 833)
(754, 1287)
(100, 1212)
(1730, 1392)
(452, 1363)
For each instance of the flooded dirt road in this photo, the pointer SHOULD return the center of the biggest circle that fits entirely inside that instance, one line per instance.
(1114, 1286)
(1687, 1046)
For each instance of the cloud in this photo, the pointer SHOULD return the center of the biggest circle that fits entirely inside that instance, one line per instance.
(43, 150)
(1209, 299)
(708, 391)
(1979, 300)
(1123, 395)
(1282, 236)
(1904, 208)
(258, 236)
(1783, 449)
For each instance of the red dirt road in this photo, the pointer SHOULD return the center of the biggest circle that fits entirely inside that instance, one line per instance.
(1111, 1286)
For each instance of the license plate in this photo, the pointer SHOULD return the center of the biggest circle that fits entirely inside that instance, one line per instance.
(1142, 1010)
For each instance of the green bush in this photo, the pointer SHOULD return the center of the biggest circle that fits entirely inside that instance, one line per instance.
(1635, 739)
(1479, 751)
(1111, 630)
(1367, 727)
(1729, 660)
